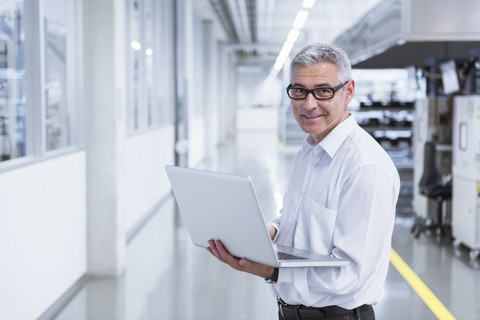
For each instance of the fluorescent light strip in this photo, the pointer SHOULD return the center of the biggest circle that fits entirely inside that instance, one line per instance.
(292, 36)
(300, 19)
(307, 4)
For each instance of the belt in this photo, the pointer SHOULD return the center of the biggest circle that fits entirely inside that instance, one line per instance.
(304, 312)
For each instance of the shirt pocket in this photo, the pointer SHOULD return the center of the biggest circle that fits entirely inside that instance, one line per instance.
(319, 224)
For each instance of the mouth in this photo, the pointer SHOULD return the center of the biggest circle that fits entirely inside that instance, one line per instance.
(312, 117)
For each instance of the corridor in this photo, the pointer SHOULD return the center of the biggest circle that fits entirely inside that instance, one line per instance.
(189, 284)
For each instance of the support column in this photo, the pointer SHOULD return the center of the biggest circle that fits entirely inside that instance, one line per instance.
(180, 13)
(209, 98)
(104, 29)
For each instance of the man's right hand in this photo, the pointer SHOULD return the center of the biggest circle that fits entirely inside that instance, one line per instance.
(217, 249)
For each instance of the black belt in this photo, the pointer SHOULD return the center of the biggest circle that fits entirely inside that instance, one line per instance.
(304, 312)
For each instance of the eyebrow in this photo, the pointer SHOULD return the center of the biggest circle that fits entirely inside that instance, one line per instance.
(321, 85)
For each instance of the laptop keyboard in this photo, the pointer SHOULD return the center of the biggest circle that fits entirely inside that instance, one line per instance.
(287, 256)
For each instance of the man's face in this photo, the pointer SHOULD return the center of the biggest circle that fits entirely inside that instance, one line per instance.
(319, 117)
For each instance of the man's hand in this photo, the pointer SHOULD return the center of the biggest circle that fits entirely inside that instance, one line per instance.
(272, 231)
(218, 250)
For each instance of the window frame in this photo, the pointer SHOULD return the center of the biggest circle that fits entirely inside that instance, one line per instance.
(35, 86)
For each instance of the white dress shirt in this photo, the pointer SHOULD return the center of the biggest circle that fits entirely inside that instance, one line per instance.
(340, 201)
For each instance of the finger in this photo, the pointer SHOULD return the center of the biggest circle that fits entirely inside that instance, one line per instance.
(211, 245)
(213, 249)
(219, 246)
(226, 256)
(222, 251)
(210, 250)
(219, 251)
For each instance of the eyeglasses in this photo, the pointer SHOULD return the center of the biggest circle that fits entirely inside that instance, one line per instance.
(322, 93)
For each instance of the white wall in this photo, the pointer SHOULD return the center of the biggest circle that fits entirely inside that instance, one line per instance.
(42, 234)
(43, 220)
(196, 141)
(145, 179)
(43, 207)
(149, 254)
(257, 119)
(127, 297)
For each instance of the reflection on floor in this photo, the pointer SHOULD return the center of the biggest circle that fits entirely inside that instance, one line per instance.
(168, 278)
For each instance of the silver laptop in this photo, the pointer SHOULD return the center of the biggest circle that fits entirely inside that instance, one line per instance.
(224, 206)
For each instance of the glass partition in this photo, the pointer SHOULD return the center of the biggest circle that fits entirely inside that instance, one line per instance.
(12, 81)
(145, 87)
(56, 108)
(61, 106)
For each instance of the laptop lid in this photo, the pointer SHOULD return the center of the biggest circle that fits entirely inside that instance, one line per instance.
(224, 206)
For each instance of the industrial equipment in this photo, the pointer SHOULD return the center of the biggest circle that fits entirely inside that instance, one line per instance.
(431, 125)
(466, 173)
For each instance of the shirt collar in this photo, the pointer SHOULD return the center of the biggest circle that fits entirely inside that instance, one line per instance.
(332, 142)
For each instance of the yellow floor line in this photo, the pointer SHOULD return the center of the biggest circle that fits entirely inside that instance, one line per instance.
(419, 286)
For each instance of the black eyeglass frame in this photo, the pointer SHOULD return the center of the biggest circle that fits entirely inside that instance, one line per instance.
(312, 91)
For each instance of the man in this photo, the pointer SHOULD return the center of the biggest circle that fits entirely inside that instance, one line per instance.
(340, 200)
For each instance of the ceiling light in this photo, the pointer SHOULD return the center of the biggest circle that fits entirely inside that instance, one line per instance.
(308, 3)
(136, 45)
(283, 55)
(300, 19)
(293, 35)
(277, 66)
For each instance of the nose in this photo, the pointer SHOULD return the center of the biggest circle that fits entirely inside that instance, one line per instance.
(310, 102)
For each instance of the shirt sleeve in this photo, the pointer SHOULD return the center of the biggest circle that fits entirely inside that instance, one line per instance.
(362, 235)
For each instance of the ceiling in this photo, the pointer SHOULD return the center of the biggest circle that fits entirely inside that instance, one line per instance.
(257, 29)
(374, 33)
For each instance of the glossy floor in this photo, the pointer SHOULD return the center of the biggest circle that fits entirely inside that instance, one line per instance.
(168, 278)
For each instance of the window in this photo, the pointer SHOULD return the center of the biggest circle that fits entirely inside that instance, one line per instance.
(134, 60)
(145, 94)
(12, 81)
(56, 111)
(61, 116)
(39, 93)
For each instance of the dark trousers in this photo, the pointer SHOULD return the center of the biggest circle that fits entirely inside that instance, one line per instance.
(299, 312)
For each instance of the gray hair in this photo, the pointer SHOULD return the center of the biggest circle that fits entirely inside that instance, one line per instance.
(324, 52)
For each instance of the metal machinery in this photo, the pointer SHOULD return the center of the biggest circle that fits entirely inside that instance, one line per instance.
(428, 111)
(466, 159)
(466, 173)
(432, 123)
(410, 34)
(429, 126)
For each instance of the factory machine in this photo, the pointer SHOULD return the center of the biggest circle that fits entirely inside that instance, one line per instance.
(432, 123)
(466, 174)
(422, 133)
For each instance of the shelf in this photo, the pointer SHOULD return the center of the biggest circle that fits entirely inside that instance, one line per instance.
(389, 107)
(385, 128)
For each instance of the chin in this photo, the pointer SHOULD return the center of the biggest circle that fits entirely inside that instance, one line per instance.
(312, 130)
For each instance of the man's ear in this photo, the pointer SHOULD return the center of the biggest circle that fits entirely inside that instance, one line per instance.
(350, 89)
